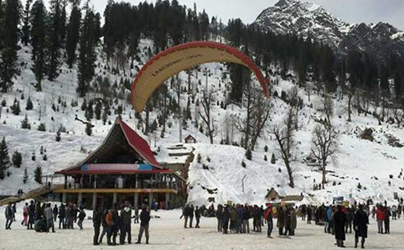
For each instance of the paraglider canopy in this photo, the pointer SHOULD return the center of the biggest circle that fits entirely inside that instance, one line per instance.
(182, 57)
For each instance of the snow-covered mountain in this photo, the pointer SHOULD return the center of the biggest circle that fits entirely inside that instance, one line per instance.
(311, 20)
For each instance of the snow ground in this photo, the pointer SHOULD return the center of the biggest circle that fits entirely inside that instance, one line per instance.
(167, 232)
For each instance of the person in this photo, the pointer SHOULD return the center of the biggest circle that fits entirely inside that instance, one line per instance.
(361, 221)
(70, 216)
(349, 218)
(288, 223)
(55, 212)
(14, 211)
(257, 218)
(24, 221)
(380, 216)
(104, 224)
(9, 213)
(339, 226)
(49, 218)
(373, 212)
(62, 215)
(293, 221)
(97, 218)
(330, 222)
(191, 215)
(387, 215)
(136, 215)
(31, 215)
(225, 219)
(309, 214)
(240, 216)
(219, 216)
(268, 218)
(110, 223)
(197, 216)
(394, 212)
(115, 224)
(185, 214)
(126, 215)
(81, 217)
(144, 224)
(246, 218)
(233, 219)
(281, 220)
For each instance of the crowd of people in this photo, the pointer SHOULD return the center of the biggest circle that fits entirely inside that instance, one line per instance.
(337, 220)
(117, 220)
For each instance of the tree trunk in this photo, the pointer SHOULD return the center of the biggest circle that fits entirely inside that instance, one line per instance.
(291, 183)
(324, 180)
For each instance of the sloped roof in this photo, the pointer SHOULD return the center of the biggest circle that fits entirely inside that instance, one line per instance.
(121, 136)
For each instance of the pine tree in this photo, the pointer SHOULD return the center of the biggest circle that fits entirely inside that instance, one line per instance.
(398, 85)
(25, 176)
(25, 123)
(273, 159)
(58, 136)
(265, 158)
(266, 148)
(73, 32)
(8, 53)
(248, 154)
(62, 24)
(87, 54)
(45, 157)
(38, 41)
(98, 109)
(16, 108)
(89, 111)
(42, 127)
(54, 60)
(84, 105)
(89, 129)
(26, 28)
(4, 159)
(17, 159)
(38, 175)
(30, 105)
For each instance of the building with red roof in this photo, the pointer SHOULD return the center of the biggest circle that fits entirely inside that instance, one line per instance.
(122, 168)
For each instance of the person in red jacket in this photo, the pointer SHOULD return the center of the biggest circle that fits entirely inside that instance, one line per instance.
(380, 216)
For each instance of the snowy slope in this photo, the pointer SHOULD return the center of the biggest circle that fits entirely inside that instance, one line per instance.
(358, 161)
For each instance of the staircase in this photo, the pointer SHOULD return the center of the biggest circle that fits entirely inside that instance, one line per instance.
(33, 194)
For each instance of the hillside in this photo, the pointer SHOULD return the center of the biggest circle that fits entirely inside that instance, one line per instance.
(357, 161)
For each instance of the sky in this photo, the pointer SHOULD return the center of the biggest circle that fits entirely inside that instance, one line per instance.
(351, 11)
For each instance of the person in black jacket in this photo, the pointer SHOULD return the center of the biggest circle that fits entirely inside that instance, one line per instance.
(225, 219)
(31, 214)
(185, 214)
(339, 225)
(144, 224)
(81, 217)
(62, 215)
(115, 226)
(55, 212)
(361, 221)
(219, 216)
(191, 215)
(97, 218)
(197, 216)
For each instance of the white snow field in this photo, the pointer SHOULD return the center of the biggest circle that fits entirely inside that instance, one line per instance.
(168, 233)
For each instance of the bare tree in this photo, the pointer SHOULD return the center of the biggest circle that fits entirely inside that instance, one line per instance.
(398, 115)
(284, 135)
(351, 93)
(206, 102)
(328, 108)
(324, 146)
